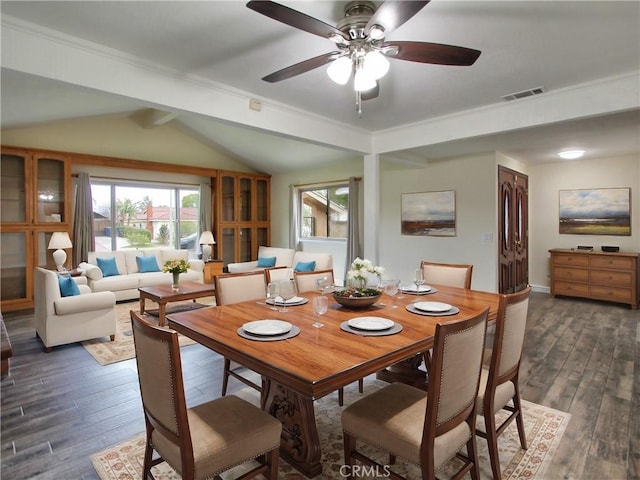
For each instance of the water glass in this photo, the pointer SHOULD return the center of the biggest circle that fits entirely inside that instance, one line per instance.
(288, 290)
(273, 292)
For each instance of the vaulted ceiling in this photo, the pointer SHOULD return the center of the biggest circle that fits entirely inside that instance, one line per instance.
(203, 62)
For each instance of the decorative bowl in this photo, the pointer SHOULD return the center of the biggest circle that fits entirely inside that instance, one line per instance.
(357, 299)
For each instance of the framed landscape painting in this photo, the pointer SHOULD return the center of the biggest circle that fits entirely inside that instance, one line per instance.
(598, 211)
(429, 213)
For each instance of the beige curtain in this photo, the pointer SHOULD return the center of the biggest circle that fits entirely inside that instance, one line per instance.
(83, 238)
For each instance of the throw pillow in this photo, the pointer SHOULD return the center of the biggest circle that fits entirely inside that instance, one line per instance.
(108, 266)
(68, 286)
(147, 264)
(266, 262)
(305, 266)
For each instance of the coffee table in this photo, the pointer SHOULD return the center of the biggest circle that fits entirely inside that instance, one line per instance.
(163, 294)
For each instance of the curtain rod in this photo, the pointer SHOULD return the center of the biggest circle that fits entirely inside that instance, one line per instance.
(346, 180)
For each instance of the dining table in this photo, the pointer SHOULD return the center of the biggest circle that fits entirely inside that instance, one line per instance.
(306, 363)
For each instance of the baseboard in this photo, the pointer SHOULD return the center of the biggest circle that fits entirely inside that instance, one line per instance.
(540, 289)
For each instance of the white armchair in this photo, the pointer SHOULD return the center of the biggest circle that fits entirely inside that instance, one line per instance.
(60, 320)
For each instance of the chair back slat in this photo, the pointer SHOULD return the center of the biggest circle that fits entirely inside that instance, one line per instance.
(447, 274)
(306, 281)
(455, 372)
(239, 287)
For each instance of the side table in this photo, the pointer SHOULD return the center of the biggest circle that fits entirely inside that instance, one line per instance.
(211, 269)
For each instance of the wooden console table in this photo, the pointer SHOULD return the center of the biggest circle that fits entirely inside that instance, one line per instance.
(596, 275)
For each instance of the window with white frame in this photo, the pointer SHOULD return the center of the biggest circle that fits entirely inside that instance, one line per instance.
(324, 211)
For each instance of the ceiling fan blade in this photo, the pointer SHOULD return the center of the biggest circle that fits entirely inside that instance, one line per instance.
(295, 18)
(371, 94)
(435, 53)
(390, 15)
(302, 67)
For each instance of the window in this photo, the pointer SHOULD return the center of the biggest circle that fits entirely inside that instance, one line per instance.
(128, 215)
(324, 211)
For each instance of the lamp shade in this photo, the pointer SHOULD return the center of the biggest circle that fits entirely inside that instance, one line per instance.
(59, 240)
(206, 238)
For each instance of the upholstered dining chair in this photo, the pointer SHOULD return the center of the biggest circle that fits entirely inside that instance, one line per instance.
(427, 428)
(306, 281)
(204, 440)
(449, 274)
(234, 288)
(499, 382)
(277, 274)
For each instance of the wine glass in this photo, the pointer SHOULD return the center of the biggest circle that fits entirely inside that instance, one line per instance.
(325, 285)
(418, 279)
(288, 290)
(320, 305)
(391, 288)
(273, 292)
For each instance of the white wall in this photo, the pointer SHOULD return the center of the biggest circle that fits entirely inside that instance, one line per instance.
(474, 181)
(544, 183)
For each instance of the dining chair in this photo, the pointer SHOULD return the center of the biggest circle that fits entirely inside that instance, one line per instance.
(427, 428)
(306, 281)
(234, 288)
(499, 382)
(448, 274)
(206, 439)
(276, 274)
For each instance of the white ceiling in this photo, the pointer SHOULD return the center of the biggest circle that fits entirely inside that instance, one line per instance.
(524, 44)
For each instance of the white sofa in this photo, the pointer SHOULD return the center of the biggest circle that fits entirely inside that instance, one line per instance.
(60, 320)
(125, 285)
(285, 257)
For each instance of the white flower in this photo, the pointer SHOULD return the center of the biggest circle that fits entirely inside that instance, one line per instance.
(361, 267)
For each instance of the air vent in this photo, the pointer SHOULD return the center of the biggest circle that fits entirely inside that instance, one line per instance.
(524, 94)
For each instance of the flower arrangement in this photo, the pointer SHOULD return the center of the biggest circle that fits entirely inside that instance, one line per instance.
(175, 266)
(357, 278)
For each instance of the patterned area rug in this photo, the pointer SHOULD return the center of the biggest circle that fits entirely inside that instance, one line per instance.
(106, 351)
(544, 428)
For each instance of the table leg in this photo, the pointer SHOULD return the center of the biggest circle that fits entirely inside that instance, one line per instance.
(162, 311)
(142, 301)
(299, 443)
(407, 372)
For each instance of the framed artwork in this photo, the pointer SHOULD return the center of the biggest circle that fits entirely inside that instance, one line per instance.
(597, 211)
(429, 213)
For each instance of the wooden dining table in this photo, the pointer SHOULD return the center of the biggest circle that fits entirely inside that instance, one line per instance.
(318, 361)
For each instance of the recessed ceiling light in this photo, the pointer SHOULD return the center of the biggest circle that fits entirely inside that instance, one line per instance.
(571, 154)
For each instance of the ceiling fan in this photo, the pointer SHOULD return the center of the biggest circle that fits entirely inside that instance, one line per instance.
(360, 41)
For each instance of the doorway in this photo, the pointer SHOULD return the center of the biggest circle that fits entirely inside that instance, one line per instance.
(513, 230)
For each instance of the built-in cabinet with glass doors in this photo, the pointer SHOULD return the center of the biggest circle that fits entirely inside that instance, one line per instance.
(243, 219)
(34, 203)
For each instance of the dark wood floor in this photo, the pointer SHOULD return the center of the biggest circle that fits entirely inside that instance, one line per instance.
(580, 356)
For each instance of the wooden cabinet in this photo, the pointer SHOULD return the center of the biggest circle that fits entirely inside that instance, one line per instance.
(34, 203)
(596, 275)
(242, 214)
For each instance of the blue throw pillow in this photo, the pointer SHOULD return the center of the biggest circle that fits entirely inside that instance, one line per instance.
(147, 264)
(68, 286)
(305, 266)
(108, 266)
(266, 262)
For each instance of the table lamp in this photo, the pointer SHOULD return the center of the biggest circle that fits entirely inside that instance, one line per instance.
(206, 240)
(59, 241)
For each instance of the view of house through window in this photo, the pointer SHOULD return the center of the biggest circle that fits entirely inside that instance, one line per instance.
(144, 215)
(324, 212)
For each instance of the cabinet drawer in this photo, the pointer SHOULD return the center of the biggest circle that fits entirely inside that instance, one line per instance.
(617, 263)
(569, 259)
(571, 274)
(571, 289)
(611, 293)
(618, 279)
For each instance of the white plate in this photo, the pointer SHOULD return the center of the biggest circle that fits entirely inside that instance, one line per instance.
(279, 301)
(267, 327)
(371, 323)
(412, 288)
(432, 306)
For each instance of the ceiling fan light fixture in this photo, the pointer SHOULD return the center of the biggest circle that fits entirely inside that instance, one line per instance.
(376, 64)
(571, 154)
(362, 81)
(340, 70)
(376, 32)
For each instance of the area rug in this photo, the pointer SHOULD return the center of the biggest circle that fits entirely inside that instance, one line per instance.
(544, 428)
(106, 352)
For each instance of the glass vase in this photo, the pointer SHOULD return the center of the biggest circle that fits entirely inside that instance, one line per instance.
(175, 286)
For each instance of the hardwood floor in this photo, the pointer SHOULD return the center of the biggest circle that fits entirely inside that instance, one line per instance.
(580, 356)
